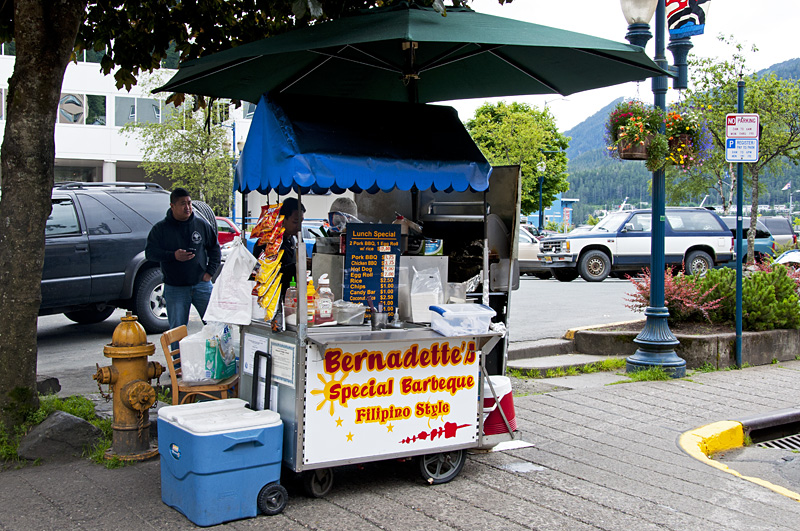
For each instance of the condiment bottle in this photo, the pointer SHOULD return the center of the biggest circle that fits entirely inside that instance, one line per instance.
(290, 302)
(312, 301)
(324, 301)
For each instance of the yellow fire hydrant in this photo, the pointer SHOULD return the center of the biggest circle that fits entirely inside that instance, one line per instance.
(129, 377)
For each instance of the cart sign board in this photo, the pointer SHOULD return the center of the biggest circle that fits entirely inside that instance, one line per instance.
(371, 259)
(741, 149)
(741, 126)
(390, 398)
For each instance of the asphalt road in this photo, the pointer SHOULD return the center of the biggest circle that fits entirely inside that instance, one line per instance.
(539, 309)
(547, 308)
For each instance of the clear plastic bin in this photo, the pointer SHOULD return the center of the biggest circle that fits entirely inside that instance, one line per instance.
(461, 319)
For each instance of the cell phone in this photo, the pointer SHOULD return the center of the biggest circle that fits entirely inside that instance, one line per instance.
(191, 250)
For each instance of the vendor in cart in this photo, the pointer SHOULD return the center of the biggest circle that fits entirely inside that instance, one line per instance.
(290, 210)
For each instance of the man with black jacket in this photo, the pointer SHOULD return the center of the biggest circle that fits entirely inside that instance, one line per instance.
(187, 249)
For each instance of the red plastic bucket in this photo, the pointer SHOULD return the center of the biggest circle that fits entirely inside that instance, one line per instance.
(493, 421)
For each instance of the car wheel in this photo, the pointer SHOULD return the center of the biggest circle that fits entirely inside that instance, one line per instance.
(594, 266)
(90, 315)
(698, 263)
(565, 275)
(148, 297)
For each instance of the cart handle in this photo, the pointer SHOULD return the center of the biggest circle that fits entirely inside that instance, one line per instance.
(237, 439)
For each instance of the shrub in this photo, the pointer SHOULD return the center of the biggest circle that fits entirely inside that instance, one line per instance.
(769, 297)
(685, 299)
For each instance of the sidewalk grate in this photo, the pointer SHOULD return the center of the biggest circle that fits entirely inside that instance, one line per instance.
(792, 442)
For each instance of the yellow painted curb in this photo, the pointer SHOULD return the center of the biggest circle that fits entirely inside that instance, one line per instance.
(705, 441)
(570, 334)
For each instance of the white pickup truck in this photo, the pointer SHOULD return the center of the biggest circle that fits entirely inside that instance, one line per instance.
(695, 238)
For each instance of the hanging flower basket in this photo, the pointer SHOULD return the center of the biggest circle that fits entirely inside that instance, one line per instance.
(632, 133)
(689, 138)
(634, 150)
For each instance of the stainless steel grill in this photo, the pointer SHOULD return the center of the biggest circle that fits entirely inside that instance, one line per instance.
(555, 246)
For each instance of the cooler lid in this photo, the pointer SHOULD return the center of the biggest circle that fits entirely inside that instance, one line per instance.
(463, 309)
(226, 420)
(170, 413)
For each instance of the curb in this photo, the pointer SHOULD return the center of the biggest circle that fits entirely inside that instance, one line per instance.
(706, 440)
(570, 334)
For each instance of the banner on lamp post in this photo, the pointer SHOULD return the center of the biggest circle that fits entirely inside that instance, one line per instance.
(686, 18)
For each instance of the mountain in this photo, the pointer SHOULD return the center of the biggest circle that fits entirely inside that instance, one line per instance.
(601, 182)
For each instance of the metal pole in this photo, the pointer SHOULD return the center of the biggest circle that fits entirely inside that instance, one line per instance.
(233, 192)
(739, 208)
(656, 341)
(541, 212)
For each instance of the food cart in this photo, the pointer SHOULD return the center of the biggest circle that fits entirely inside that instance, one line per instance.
(352, 394)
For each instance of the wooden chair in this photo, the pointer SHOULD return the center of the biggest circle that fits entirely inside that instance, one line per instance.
(228, 388)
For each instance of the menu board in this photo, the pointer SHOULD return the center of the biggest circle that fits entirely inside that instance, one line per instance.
(372, 256)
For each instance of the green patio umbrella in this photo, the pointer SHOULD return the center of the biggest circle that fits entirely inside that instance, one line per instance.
(411, 53)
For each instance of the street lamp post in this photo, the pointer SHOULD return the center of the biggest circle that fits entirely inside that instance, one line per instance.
(540, 168)
(656, 341)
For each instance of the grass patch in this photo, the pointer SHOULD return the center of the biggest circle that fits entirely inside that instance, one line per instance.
(74, 405)
(706, 367)
(651, 374)
(608, 365)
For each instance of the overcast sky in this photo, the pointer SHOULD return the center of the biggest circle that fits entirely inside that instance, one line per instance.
(771, 25)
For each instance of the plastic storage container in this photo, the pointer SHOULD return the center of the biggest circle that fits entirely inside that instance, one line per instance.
(220, 461)
(461, 319)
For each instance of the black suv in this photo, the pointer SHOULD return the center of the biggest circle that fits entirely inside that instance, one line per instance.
(94, 253)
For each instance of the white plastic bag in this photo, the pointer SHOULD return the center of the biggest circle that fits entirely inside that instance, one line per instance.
(426, 291)
(208, 356)
(231, 298)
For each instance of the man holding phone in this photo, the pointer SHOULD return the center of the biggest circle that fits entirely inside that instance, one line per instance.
(186, 248)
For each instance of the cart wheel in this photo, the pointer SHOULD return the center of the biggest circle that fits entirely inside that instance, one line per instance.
(318, 483)
(272, 499)
(441, 468)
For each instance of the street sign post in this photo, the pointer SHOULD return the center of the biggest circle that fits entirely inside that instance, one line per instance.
(741, 137)
(741, 149)
(741, 126)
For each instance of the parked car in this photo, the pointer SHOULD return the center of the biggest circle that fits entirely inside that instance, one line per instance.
(780, 228)
(529, 263)
(94, 253)
(764, 244)
(621, 243)
(227, 230)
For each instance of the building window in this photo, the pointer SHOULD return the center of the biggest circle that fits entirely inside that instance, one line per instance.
(220, 112)
(95, 110)
(10, 48)
(125, 111)
(249, 110)
(70, 109)
(148, 111)
(94, 57)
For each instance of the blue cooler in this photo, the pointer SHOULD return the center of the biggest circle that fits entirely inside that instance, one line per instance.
(220, 461)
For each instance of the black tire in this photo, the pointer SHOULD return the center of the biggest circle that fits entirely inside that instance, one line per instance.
(441, 468)
(698, 263)
(565, 274)
(272, 499)
(594, 266)
(90, 315)
(148, 301)
(317, 483)
(542, 275)
(205, 212)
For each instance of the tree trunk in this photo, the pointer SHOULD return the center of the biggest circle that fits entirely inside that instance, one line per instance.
(751, 234)
(45, 33)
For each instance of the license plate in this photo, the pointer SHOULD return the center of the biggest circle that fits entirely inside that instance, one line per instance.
(548, 259)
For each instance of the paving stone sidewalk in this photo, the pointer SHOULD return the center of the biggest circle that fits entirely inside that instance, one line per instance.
(604, 457)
